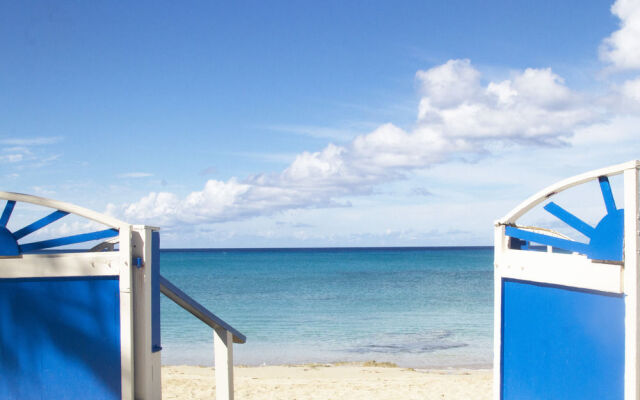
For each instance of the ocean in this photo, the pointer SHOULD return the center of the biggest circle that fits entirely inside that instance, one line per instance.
(416, 307)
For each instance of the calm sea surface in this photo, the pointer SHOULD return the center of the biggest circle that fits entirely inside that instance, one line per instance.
(417, 307)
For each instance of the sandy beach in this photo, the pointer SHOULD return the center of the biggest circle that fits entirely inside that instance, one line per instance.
(370, 381)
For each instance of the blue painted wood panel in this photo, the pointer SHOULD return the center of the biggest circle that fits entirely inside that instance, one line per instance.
(155, 292)
(60, 338)
(561, 343)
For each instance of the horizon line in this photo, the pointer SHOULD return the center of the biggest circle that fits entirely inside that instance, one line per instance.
(171, 249)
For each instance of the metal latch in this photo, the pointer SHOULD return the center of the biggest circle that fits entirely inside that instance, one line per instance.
(138, 262)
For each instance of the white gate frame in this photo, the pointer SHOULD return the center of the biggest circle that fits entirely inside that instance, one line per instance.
(140, 367)
(577, 270)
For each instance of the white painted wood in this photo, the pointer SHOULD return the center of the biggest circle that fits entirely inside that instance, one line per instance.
(142, 317)
(156, 375)
(107, 245)
(561, 269)
(631, 247)
(126, 315)
(147, 376)
(56, 265)
(62, 206)
(223, 352)
(565, 184)
(499, 247)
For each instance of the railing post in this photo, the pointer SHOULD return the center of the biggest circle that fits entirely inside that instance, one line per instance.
(223, 354)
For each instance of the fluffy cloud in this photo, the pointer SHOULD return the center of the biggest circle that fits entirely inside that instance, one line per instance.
(161, 208)
(458, 115)
(622, 48)
(622, 51)
(534, 105)
(630, 90)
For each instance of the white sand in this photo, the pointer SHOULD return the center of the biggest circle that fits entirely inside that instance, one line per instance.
(330, 382)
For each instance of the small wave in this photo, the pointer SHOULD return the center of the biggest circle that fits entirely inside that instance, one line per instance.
(429, 343)
(391, 349)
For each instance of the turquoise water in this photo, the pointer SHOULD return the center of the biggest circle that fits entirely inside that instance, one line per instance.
(417, 307)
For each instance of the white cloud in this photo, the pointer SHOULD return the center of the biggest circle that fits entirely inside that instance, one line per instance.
(459, 116)
(23, 152)
(631, 90)
(12, 158)
(617, 130)
(534, 105)
(321, 132)
(450, 84)
(134, 175)
(15, 154)
(37, 141)
(622, 51)
(624, 98)
(622, 48)
(160, 207)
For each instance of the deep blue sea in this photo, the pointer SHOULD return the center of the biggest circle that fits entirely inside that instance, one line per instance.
(417, 307)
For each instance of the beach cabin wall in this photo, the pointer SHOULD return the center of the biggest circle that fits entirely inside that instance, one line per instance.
(86, 324)
(566, 312)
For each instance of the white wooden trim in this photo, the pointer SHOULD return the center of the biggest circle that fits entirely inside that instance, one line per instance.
(561, 269)
(147, 371)
(565, 184)
(60, 265)
(631, 247)
(140, 240)
(126, 316)
(62, 206)
(499, 247)
(156, 375)
(223, 353)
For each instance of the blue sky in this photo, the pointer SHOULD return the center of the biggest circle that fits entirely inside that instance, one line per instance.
(300, 123)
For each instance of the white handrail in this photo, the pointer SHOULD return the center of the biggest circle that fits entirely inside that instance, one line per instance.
(198, 310)
(223, 338)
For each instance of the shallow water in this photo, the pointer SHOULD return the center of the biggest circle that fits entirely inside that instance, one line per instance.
(417, 307)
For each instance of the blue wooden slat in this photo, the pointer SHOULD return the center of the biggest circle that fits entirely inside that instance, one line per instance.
(155, 292)
(605, 188)
(8, 244)
(8, 209)
(83, 237)
(570, 219)
(41, 223)
(565, 244)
